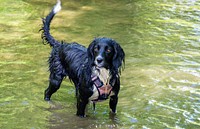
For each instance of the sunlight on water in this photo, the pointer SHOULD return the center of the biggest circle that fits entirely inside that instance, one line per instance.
(160, 86)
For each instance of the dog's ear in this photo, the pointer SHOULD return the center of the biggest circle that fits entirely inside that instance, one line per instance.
(90, 52)
(119, 56)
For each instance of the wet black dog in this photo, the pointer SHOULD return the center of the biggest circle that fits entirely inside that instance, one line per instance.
(94, 71)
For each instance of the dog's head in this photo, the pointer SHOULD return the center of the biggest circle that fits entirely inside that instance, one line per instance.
(107, 53)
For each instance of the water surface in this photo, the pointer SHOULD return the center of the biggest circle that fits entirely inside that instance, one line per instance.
(160, 86)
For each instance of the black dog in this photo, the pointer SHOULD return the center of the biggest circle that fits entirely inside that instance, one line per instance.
(94, 71)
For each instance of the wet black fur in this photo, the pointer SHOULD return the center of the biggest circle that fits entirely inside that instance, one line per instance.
(75, 61)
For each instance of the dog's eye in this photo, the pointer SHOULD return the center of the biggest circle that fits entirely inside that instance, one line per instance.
(96, 49)
(108, 50)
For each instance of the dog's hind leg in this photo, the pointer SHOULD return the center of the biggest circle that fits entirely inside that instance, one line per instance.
(57, 73)
(54, 84)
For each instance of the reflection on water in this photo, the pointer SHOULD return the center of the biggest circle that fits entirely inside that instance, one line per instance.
(160, 84)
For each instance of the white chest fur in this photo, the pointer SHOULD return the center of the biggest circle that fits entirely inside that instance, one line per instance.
(104, 76)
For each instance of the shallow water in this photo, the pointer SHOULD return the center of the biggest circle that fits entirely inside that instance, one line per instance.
(161, 81)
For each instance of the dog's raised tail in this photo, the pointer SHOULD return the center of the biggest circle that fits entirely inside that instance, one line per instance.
(46, 36)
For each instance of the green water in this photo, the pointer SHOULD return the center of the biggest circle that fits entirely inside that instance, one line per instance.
(161, 81)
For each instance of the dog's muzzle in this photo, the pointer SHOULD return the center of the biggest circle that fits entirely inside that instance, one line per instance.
(99, 62)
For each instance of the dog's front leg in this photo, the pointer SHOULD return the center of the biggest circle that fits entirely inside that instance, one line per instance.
(81, 105)
(113, 103)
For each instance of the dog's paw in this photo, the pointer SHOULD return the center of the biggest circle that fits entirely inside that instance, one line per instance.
(81, 116)
(47, 99)
(113, 112)
(84, 116)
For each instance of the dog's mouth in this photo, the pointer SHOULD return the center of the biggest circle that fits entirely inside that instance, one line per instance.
(99, 65)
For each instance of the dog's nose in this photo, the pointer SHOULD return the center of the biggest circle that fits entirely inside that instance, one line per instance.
(99, 59)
